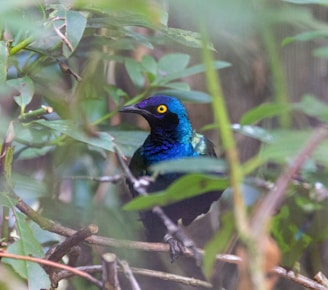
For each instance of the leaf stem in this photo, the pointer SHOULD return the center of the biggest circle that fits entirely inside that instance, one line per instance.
(280, 93)
(35, 113)
(254, 260)
(21, 45)
(222, 121)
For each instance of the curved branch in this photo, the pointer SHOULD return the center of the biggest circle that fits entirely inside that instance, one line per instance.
(143, 272)
(73, 271)
(150, 247)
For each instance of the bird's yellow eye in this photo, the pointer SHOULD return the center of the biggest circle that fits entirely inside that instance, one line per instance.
(161, 109)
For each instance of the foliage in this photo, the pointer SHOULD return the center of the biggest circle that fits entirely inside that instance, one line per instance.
(62, 66)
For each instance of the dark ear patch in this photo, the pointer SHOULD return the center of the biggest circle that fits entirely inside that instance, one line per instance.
(171, 120)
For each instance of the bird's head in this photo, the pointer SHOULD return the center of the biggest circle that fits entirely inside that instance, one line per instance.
(166, 115)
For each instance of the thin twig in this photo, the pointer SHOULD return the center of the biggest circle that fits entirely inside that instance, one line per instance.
(143, 272)
(299, 279)
(172, 228)
(66, 69)
(63, 38)
(63, 248)
(150, 247)
(69, 269)
(129, 275)
(35, 113)
(110, 179)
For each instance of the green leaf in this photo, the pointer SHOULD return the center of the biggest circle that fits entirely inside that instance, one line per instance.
(185, 37)
(190, 71)
(291, 240)
(191, 96)
(135, 72)
(129, 141)
(218, 243)
(172, 63)
(141, 39)
(178, 86)
(308, 1)
(3, 61)
(253, 131)
(285, 145)
(104, 140)
(204, 164)
(25, 88)
(6, 200)
(149, 64)
(321, 52)
(262, 112)
(313, 107)
(75, 24)
(305, 36)
(185, 187)
(27, 245)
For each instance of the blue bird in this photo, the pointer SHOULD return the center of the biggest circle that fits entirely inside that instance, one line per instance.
(171, 137)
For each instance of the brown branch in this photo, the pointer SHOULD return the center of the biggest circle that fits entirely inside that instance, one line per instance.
(299, 279)
(143, 272)
(129, 275)
(321, 278)
(63, 37)
(66, 69)
(73, 271)
(102, 179)
(65, 247)
(109, 272)
(152, 247)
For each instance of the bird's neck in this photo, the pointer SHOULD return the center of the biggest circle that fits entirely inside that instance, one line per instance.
(164, 144)
(179, 134)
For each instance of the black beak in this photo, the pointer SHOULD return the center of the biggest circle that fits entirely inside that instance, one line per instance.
(134, 109)
(130, 109)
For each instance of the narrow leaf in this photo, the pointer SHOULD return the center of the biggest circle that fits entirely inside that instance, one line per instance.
(172, 63)
(204, 164)
(135, 72)
(313, 107)
(308, 1)
(262, 112)
(185, 37)
(129, 141)
(25, 91)
(218, 243)
(190, 71)
(149, 64)
(3, 61)
(104, 140)
(253, 131)
(6, 200)
(185, 187)
(191, 96)
(27, 245)
(75, 26)
(305, 36)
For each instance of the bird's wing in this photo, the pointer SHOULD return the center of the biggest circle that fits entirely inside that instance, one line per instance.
(202, 145)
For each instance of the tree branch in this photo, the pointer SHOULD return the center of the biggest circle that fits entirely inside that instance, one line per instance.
(172, 228)
(142, 272)
(71, 270)
(129, 275)
(109, 272)
(150, 247)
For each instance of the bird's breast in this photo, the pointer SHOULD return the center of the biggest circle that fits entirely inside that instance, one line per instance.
(166, 151)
